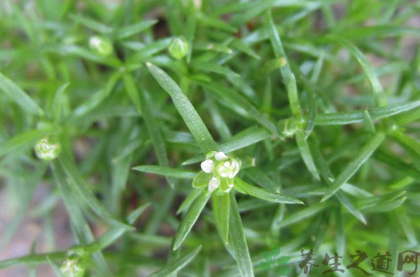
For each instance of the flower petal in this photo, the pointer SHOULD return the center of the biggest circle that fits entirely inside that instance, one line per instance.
(220, 156)
(214, 183)
(207, 166)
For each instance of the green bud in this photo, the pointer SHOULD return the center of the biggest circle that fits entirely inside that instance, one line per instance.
(288, 127)
(47, 149)
(178, 48)
(101, 45)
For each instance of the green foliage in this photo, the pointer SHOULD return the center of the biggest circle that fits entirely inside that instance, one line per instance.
(218, 132)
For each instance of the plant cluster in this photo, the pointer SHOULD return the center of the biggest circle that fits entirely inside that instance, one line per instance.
(201, 134)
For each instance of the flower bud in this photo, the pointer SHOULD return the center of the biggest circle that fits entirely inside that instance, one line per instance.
(288, 127)
(178, 48)
(72, 267)
(47, 149)
(101, 45)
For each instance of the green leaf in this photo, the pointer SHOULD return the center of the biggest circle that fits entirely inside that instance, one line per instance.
(302, 215)
(362, 156)
(407, 141)
(387, 30)
(84, 192)
(176, 264)
(57, 103)
(201, 180)
(79, 224)
(237, 240)
(284, 271)
(264, 194)
(383, 203)
(56, 268)
(265, 266)
(132, 91)
(155, 132)
(283, 260)
(33, 259)
(91, 24)
(225, 92)
(132, 217)
(378, 91)
(21, 140)
(275, 251)
(241, 46)
(350, 117)
(191, 217)
(67, 50)
(288, 77)
(215, 68)
(268, 257)
(97, 98)
(133, 29)
(166, 171)
(369, 125)
(149, 50)
(189, 200)
(305, 152)
(216, 23)
(14, 93)
(241, 140)
(224, 216)
(328, 176)
(185, 108)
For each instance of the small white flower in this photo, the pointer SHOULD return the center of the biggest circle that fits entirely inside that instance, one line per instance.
(46, 149)
(207, 166)
(95, 42)
(214, 183)
(220, 156)
(71, 268)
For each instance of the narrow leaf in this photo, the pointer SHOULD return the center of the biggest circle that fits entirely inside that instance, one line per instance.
(264, 194)
(354, 165)
(306, 153)
(166, 171)
(237, 240)
(176, 264)
(14, 93)
(191, 217)
(185, 108)
(134, 29)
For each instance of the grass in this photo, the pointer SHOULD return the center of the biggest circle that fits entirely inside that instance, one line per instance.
(316, 101)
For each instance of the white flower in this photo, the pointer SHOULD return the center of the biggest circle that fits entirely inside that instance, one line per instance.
(207, 166)
(218, 172)
(214, 183)
(47, 149)
(71, 268)
(228, 169)
(220, 156)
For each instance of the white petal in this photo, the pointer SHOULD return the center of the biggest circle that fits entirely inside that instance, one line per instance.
(214, 183)
(227, 164)
(207, 166)
(234, 169)
(223, 171)
(220, 156)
